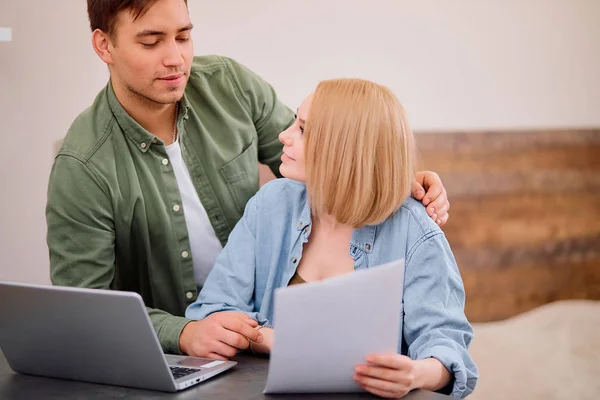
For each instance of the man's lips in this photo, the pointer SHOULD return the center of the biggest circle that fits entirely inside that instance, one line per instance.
(171, 77)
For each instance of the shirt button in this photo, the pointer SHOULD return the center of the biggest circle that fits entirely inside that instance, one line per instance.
(176, 207)
(299, 224)
(294, 260)
(165, 161)
(154, 141)
(368, 247)
(189, 295)
(184, 254)
(143, 145)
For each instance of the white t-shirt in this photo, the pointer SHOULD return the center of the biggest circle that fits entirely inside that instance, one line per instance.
(203, 240)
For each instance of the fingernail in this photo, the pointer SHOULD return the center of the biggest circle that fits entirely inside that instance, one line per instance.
(434, 216)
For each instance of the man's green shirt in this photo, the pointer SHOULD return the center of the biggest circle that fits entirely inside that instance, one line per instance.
(112, 220)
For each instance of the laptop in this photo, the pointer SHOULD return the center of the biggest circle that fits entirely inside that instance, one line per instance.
(92, 335)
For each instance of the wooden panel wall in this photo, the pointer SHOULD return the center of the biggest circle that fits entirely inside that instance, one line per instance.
(525, 215)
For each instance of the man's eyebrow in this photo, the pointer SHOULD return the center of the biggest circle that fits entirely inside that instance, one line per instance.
(151, 32)
(186, 28)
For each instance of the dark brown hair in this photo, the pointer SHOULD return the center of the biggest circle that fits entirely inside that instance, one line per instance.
(103, 14)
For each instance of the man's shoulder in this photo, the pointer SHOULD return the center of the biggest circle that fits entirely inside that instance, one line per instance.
(217, 69)
(89, 130)
(208, 64)
(213, 78)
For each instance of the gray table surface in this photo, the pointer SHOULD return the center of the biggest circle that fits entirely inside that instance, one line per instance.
(245, 381)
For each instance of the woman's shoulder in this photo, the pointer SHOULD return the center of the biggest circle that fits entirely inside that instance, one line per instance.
(282, 193)
(413, 213)
(282, 187)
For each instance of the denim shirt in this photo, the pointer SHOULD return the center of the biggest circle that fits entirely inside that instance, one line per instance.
(265, 247)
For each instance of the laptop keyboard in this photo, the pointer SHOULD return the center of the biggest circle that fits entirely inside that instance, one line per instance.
(179, 372)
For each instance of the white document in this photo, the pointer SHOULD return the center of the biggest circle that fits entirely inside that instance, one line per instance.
(324, 329)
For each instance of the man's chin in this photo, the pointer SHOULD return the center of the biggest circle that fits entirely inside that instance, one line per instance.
(168, 98)
(168, 95)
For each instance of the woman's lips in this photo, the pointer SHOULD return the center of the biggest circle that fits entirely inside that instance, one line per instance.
(285, 156)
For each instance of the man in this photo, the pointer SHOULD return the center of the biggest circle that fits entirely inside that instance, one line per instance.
(169, 133)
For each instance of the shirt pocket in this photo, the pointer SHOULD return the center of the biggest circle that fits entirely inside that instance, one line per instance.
(241, 176)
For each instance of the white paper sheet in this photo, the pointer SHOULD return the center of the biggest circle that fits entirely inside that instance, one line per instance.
(324, 329)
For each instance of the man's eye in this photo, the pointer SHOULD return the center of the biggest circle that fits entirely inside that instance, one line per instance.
(149, 45)
(183, 39)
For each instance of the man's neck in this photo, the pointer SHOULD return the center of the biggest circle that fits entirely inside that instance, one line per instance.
(156, 118)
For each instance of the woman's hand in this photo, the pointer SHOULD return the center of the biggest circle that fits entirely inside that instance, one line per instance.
(394, 375)
(386, 375)
(264, 347)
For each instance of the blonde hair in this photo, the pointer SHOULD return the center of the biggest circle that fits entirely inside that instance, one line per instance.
(360, 152)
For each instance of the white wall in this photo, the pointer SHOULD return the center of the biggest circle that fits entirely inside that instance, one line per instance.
(466, 64)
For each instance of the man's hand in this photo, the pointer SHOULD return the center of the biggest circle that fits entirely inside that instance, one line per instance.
(219, 336)
(429, 189)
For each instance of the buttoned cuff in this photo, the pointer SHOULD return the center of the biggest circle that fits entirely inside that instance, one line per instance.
(452, 360)
(169, 332)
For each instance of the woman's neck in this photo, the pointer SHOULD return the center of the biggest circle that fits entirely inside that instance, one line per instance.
(329, 224)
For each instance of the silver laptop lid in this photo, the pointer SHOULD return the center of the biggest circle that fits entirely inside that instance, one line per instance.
(81, 334)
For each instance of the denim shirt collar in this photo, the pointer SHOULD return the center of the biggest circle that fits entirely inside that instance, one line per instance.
(305, 219)
(362, 238)
(132, 129)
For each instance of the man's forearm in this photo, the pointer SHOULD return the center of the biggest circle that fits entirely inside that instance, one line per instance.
(168, 329)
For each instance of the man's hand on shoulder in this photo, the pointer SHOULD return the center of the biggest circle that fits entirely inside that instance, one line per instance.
(429, 189)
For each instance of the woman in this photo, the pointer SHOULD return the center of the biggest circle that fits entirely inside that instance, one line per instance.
(349, 159)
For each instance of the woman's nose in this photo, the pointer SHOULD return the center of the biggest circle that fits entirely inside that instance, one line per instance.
(284, 137)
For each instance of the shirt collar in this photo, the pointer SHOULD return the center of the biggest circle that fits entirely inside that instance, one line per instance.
(305, 219)
(132, 129)
(364, 238)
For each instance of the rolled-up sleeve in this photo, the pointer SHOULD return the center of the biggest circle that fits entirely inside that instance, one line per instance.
(435, 324)
(230, 284)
